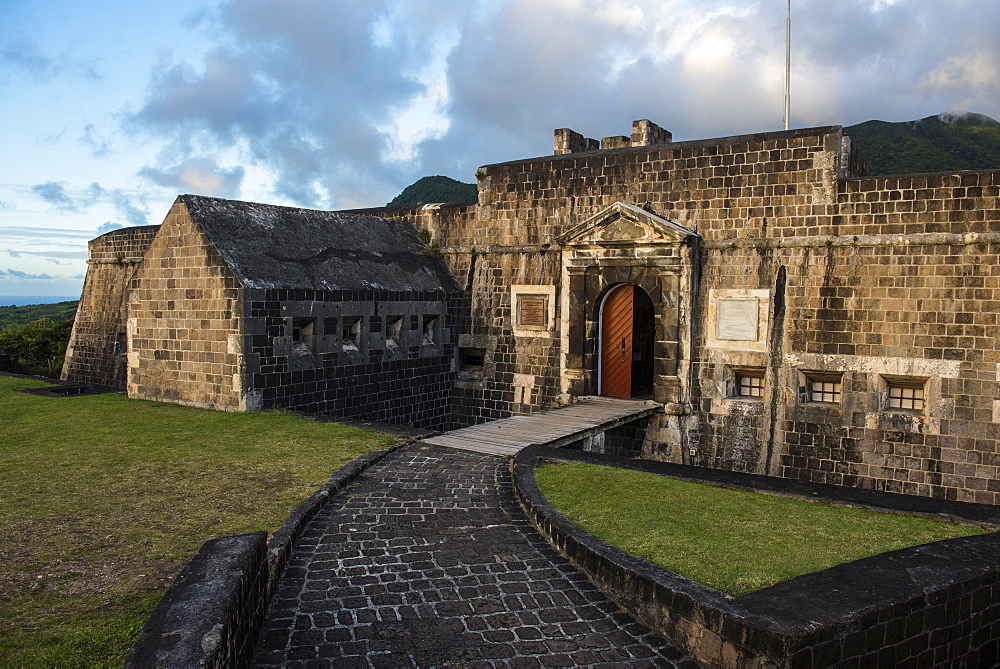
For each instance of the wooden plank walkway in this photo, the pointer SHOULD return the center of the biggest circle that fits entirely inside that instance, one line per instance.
(553, 427)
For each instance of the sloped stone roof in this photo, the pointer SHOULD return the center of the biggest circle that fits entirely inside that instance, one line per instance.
(268, 246)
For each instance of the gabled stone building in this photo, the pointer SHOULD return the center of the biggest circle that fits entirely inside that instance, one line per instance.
(793, 316)
(241, 306)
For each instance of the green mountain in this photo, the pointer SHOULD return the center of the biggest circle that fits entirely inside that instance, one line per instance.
(934, 144)
(436, 189)
(56, 311)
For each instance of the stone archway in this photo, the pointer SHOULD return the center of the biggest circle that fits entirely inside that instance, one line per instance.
(626, 245)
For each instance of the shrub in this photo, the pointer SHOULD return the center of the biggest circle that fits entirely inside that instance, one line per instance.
(39, 346)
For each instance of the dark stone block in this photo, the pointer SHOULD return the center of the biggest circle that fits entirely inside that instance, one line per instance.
(213, 609)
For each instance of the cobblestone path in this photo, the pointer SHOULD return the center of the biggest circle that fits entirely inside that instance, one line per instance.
(427, 560)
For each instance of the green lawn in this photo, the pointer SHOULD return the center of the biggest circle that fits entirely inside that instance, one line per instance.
(106, 498)
(732, 540)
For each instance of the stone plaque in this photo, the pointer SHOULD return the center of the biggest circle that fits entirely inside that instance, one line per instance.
(736, 319)
(531, 311)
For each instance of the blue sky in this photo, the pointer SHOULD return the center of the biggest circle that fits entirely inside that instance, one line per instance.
(110, 109)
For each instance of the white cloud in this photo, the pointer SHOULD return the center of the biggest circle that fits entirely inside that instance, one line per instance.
(20, 54)
(24, 276)
(342, 104)
(198, 175)
(131, 207)
(128, 205)
(62, 198)
(29, 232)
(973, 77)
(50, 255)
(99, 146)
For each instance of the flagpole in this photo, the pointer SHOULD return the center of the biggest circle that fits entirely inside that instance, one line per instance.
(788, 62)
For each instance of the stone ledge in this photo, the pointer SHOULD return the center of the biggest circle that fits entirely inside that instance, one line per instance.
(818, 241)
(929, 604)
(198, 622)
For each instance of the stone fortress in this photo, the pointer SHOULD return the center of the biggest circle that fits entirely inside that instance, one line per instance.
(793, 316)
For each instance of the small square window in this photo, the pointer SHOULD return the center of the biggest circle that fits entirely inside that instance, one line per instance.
(473, 357)
(473, 364)
(823, 388)
(430, 327)
(907, 395)
(303, 334)
(351, 333)
(393, 331)
(749, 383)
(824, 391)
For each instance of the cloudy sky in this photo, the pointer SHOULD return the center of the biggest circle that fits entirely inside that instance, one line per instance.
(111, 108)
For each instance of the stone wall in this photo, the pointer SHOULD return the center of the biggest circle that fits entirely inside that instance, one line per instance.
(808, 323)
(901, 291)
(482, 391)
(718, 189)
(184, 307)
(213, 610)
(881, 285)
(376, 355)
(96, 351)
(212, 613)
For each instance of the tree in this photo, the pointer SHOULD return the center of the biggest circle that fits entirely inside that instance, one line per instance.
(39, 346)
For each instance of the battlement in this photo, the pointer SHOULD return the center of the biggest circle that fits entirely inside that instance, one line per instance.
(644, 133)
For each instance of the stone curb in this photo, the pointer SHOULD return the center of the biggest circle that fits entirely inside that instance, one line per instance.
(213, 611)
(609, 567)
(929, 604)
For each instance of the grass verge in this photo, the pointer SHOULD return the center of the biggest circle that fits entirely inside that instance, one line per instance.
(733, 540)
(106, 498)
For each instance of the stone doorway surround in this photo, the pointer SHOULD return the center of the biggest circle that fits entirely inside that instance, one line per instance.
(627, 244)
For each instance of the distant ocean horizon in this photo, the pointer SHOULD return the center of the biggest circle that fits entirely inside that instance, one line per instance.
(25, 300)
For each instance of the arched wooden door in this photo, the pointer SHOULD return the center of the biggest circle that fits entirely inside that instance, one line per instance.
(616, 342)
(627, 335)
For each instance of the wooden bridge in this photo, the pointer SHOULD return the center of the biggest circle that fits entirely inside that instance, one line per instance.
(552, 427)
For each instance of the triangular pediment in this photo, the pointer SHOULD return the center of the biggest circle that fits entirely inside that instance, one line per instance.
(625, 224)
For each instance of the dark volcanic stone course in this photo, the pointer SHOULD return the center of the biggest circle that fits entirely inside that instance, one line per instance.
(426, 560)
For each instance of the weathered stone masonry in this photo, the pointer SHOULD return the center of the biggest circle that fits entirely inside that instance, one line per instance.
(897, 285)
(97, 346)
(184, 308)
(806, 321)
(870, 281)
(246, 307)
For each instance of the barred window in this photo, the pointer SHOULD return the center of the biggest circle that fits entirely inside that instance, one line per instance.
(824, 388)
(825, 391)
(749, 383)
(905, 395)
